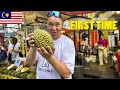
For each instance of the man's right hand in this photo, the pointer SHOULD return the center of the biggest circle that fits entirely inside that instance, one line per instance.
(31, 40)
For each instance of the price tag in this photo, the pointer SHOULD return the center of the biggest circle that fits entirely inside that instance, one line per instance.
(17, 61)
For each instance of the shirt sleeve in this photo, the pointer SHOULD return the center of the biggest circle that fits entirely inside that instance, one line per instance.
(68, 57)
(17, 46)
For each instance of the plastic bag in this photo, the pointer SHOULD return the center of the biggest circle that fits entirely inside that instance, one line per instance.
(114, 58)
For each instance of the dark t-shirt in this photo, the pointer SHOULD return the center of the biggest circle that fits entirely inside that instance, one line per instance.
(84, 36)
(3, 55)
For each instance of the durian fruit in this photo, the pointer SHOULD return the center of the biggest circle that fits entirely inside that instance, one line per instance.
(33, 72)
(13, 73)
(6, 71)
(24, 75)
(25, 69)
(11, 67)
(2, 70)
(19, 68)
(34, 77)
(29, 76)
(17, 74)
(42, 39)
(0, 67)
(9, 73)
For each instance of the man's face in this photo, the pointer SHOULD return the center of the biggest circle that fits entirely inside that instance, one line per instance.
(119, 43)
(86, 32)
(102, 37)
(54, 26)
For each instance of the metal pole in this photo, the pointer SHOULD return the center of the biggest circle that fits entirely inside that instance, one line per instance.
(79, 40)
(88, 36)
(119, 34)
(26, 33)
(74, 40)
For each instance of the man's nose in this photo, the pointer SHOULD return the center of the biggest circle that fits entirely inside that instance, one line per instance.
(54, 27)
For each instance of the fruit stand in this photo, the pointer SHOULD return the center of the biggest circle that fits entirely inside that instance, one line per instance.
(3, 76)
(11, 71)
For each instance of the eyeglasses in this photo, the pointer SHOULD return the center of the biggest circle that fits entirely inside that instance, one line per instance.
(54, 13)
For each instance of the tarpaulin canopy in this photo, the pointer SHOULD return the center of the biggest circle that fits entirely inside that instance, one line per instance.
(75, 12)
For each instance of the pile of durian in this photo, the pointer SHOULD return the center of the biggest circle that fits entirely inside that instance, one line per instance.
(20, 71)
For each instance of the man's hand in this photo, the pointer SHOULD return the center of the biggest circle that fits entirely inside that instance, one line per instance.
(31, 40)
(46, 53)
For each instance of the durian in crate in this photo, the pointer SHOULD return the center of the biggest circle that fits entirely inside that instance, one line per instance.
(13, 73)
(34, 77)
(9, 73)
(11, 67)
(6, 71)
(42, 39)
(17, 74)
(24, 75)
(2, 70)
(25, 69)
(19, 68)
(30, 76)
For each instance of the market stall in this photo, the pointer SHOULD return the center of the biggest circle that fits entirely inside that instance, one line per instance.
(84, 40)
(18, 70)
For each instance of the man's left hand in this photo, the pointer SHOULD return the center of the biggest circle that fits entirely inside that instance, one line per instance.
(46, 53)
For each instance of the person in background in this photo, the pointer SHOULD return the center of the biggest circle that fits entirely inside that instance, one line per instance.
(102, 52)
(53, 64)
(111, 40)
(118, 55)
(3, 54)
(10, 45)
(15, 49)
(84, 35)
(116, 39)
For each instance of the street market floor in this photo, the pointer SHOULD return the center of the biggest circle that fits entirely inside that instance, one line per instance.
(95, 71)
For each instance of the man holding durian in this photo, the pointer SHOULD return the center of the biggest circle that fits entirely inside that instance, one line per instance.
(53, 51)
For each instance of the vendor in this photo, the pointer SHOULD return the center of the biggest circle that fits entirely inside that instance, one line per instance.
(15, 49)
(102, 52)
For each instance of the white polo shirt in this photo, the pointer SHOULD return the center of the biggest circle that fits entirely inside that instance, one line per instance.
(15, 54)
(64, 51)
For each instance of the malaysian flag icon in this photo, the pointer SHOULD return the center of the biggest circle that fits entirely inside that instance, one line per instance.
(11, 17)
(5, 15)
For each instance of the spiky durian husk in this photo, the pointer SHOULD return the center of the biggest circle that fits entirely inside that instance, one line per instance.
(42, 38)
